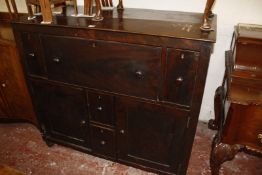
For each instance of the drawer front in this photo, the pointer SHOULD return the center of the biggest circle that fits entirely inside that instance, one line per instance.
(244, 126)
(103, 141)
(248, 55)
(180, 76)
(111, 66)
(32, 54)
(101, 108)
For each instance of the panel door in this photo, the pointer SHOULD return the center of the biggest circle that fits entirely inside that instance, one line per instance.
(13, 85)
(62, 111)
(150, 135)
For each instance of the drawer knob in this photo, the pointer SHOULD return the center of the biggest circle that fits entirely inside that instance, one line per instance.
(31, 54)
(103, 142)
(94, 45)
(259, 136)
(83, 122)
(3, 85)
(122, 131)
(100, 108)
(182, 56)
(180, 79)
(56, 60)
(139, 74)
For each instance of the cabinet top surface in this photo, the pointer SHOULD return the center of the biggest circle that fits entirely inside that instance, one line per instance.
(139, 21)
(251, 31)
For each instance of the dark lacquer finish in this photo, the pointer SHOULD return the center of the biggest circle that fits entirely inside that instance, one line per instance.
(96, 64)
(15, 103)
(181, 72)
(149, 135)
(237, 118)
(101, 108)
(63, 110)
(32, 54)
(103, 141)
(136, 79)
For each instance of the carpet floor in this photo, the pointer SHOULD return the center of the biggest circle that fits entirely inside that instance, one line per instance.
(22, 148)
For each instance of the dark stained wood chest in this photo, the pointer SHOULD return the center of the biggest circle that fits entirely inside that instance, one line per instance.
(128, 88)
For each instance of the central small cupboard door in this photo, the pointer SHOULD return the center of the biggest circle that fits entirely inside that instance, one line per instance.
(149, 134)
(63, 111)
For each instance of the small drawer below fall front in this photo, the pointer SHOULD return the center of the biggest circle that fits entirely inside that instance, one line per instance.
(103, 141)
(101, 107)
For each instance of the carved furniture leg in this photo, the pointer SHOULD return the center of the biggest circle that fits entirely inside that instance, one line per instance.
(75, 7)
(46, 11)
(88, 7)
(207, 14)
(220, 153)
(217, 123)
(120, 5)
(13, 14)
(98, 16)
(30, 11)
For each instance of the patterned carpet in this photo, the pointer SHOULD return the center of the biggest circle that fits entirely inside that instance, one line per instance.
(22, 148)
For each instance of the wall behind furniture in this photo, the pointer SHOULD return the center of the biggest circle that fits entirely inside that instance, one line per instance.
(21, 6)
(229, 12)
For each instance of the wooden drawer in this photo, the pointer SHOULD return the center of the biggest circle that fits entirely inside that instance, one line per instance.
(32, 54)
(101, 108)
(243, 126)
(103, 141)
(181, 75)
(119, 67)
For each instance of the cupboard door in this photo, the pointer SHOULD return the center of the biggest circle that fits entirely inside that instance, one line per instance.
(62, 111)
(149, 134)
(13, 87)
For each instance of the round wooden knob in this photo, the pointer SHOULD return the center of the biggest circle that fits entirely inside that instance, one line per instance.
(31, 54)
(180, 79)
(56, 60)
(102, 142)
(139, 74)
(100, 108)
(83, 122)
